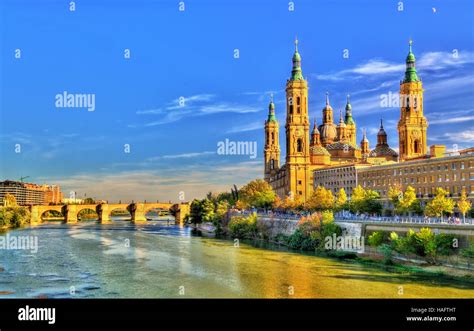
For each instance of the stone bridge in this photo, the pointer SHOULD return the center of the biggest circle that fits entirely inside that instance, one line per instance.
(137, 211)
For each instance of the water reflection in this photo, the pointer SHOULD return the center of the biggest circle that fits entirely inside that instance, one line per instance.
(154, 260)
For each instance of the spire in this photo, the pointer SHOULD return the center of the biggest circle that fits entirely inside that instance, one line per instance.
(327, 98)
(348, 119)
(271, 111)
(381, 135)
(315, 138)
(364, 145)
(315, 127)
(410, 72)
(348, 104)
(341, 121)
(364, 136)
(296, 73)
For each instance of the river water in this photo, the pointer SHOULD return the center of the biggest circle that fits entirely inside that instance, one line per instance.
(122, 260)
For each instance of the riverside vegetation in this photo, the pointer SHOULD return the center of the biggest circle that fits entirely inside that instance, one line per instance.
(317, 222)
(11, 215)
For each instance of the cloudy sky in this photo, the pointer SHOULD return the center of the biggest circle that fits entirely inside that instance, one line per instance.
(200, 76)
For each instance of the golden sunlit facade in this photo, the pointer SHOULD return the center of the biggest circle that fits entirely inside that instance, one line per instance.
(329, 152)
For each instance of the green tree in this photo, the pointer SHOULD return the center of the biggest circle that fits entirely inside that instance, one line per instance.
(406, 201)
(464, 204)
(321, 199)
(357, 199)
(440, 204)
(394, 193)
(258, 193)
(195, 213)
(207, 207)
(365, 201)
(341, 199)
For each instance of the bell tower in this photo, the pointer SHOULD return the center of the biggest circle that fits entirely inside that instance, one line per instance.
(297, 132)
(272, 144)
(412, 124)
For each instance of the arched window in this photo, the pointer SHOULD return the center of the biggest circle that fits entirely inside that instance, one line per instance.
(291, 109)
(273, 138)
(407, 106)
(268, 140)
(415, 103)
(298, 100)
(272, 164)
(299, 146)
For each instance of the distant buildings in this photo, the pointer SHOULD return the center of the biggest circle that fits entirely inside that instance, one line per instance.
(31, 194)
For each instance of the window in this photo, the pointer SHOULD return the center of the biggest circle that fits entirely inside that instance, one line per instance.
(272, 164)
(291, 109)
(298, 101)
(273, 138)
(416, 146)
(299, 147)
(299, 182)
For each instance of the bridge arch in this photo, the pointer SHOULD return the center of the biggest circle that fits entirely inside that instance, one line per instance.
(56, 212)
(84, 214)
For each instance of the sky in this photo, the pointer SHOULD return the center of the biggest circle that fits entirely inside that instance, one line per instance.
(203, 75)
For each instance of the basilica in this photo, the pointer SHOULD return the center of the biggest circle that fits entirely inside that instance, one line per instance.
(334, 142)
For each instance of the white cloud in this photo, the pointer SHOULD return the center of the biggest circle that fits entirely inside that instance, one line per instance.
(452, 120)
(456, 137)
(433, 61)
(187, 155)
(247, 127)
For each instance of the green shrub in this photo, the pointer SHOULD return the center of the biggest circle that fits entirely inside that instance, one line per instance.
(327, 216)
(387, 252)
(303, 241)
(469, 251)
(375, 239)
(243, 227)
(14, 216)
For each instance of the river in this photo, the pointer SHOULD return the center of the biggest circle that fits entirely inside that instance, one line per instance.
(123, 260)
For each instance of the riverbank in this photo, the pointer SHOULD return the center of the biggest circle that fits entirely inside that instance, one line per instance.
(398, 266)
(370, 257)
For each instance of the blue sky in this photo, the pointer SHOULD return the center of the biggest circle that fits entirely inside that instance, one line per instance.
(190, 54)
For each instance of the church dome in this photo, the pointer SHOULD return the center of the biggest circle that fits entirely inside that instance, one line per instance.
(318, 150)
(328, 131)
(380, 151)
(342, 146)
